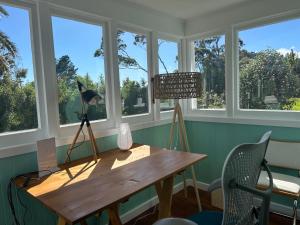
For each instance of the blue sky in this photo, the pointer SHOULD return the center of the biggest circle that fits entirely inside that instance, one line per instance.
(283, 35)
(80, 40)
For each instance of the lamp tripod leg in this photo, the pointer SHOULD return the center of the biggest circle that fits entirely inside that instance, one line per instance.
(93, 141)
(68, 159)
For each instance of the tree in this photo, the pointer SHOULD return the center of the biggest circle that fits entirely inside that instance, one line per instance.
(210, 61)
(65, 70)
(124, 59)
(8, 50)
(18, 101)
(266, 74)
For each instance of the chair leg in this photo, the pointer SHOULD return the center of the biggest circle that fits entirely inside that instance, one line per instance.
(295, 212)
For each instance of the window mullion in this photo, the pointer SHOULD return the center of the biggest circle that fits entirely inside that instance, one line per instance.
(230, 88)
(49, 74)
(155, 66)
(116, 93)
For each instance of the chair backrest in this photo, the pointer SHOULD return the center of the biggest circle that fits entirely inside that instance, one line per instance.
(284, 154)
(242, 167)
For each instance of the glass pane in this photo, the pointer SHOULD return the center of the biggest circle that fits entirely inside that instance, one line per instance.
(79, 56)
(168, 63)
(269, 67)
(18, 110)
(132, 54)
(210, 61)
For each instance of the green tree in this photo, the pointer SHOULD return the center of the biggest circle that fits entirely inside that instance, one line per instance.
(18, 100)
(210, 61)
(266, 74)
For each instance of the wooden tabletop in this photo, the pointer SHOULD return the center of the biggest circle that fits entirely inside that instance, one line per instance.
(84, 187)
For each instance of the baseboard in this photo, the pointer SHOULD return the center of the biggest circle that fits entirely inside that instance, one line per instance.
(133, 213)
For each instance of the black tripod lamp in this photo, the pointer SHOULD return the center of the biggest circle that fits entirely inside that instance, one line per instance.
(88, 97)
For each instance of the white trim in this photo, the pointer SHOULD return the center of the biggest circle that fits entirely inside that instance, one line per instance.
(191, 66)
(65, 130)
(60, 141)
(73, 13)
(149, 116)
(268, 20)
(284, 115)
(28, 135)
(176, 40)
(245, 121)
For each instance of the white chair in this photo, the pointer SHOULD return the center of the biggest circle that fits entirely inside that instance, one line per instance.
(283, 154)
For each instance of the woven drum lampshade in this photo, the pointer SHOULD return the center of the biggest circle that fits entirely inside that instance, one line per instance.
(181, 85)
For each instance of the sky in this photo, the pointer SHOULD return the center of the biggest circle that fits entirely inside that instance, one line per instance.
(80, 40)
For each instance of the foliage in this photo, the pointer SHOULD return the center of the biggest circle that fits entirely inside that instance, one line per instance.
(210, 61)
(266, 74)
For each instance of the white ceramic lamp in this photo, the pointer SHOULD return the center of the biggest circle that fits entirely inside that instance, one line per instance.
(124, 137)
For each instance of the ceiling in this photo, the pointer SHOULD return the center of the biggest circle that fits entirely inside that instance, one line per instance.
(186, 9)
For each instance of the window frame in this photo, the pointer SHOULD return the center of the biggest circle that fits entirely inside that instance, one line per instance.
(191, 110)
(144, 117)
(167, 37)
(28, 136)
(286, 116)
(67, 130)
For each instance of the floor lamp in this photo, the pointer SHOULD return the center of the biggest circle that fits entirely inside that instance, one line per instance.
(88, 97)
(181, 85)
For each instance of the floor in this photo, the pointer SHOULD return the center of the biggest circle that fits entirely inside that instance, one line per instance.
(184, 207)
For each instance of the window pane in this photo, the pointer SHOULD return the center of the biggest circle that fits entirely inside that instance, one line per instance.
(168, 63)
(210, 61)
(270, 67)
(79, 56)
(18, 110)
(132, 54)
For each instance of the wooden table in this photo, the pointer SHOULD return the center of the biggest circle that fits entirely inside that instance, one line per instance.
(83, 187)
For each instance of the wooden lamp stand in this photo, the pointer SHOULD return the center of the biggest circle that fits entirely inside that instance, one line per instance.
(184, 146)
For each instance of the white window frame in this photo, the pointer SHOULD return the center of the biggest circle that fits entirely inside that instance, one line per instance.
(192, 111)
(167, 37)
(66, 131)
(23, 137)
(282, 117)
(138, 118)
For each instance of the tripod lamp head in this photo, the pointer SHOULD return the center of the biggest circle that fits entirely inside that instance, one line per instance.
(89, 97)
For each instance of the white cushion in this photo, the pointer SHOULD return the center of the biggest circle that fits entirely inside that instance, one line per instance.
(281, 182)
(283, 154)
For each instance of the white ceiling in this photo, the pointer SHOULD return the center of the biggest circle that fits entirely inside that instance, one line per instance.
(186, 9)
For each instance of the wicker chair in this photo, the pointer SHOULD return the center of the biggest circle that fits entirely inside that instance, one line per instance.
(239, 179)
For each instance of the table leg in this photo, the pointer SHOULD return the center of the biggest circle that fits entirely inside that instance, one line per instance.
(164, 191)
(114, 218)
(83, 222)
(61, 221)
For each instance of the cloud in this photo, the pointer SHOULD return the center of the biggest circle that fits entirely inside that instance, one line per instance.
(285, 51)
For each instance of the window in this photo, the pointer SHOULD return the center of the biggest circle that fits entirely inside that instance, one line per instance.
(209, 60)
(18, 109)
(269, 67)
(168, 63)
(133, 70)
(79, 55)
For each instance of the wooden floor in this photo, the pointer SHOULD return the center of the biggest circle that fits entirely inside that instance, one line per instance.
(184, 207)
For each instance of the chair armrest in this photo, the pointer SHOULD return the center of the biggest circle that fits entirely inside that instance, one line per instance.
(216, 184)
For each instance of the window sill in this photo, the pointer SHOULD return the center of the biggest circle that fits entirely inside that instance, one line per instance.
(10, 151)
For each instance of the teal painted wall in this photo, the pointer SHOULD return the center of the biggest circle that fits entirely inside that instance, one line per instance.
(36, 213)
(217, 140)
(214, 139)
